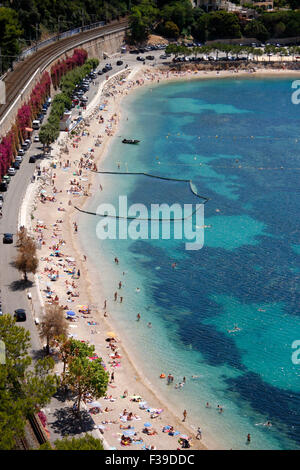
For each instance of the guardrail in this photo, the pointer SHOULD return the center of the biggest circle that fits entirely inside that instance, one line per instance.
(63, 35)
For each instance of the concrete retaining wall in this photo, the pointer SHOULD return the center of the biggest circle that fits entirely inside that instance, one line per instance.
(108, 44)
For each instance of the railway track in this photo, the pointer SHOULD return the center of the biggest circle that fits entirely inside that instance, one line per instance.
(17, 79)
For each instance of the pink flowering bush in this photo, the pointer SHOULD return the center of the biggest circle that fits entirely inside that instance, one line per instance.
(60, 68)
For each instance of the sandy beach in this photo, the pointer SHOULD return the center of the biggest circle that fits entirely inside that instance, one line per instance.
(67, 180)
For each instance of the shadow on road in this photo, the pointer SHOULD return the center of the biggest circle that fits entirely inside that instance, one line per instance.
(37, 354)
(66, 422)
(20, 285)
(62, 395)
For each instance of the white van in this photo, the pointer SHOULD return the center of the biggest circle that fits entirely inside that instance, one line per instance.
(36, 124)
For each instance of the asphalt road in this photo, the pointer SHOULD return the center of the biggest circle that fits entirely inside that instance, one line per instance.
(13, 293)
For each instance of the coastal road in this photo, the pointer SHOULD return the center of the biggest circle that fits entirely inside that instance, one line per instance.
(13, 291)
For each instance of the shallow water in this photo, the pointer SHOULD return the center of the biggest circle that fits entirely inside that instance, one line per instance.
(230, 137)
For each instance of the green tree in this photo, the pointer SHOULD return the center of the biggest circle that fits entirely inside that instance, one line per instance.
(70, 347)
(256, 29)
(85, 376)
(217, 25)
(10, 32)
(87, 442)
(23, 388)
(171, 30)
(180, 13)
(142, 20)
(48, 134)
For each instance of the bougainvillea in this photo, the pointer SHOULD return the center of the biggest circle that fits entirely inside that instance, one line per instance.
(60, 68)
(39, 94)
(30, 110)
(6, 153)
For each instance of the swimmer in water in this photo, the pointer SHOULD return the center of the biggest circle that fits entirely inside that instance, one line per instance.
(149, 325)
(173, 265)
(138, 289)
(138, 317)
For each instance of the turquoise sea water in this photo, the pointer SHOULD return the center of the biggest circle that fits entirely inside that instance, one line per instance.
(239, 141)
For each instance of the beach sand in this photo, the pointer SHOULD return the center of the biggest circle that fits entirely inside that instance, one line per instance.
(55, 226)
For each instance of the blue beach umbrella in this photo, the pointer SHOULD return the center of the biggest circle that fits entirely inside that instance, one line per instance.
(70, 313)
(147, 425)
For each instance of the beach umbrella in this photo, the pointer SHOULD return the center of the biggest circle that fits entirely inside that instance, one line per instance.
(129, 432)
(147, 425)
(183, 436)
(111, 334)
(70, 313)
(95, 404)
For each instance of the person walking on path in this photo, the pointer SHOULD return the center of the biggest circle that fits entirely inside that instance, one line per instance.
(184, 416)
(199, 433)
(112, 377)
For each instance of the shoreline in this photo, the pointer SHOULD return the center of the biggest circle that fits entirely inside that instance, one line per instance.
(149, 77)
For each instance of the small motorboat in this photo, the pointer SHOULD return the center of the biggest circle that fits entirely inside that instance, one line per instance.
(130, 141)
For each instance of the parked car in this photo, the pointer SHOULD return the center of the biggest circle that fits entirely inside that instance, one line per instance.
(36, 124)
(100, 72)
(6, 178)
(119, 62)
(141, 59)
(150, 57)
(21, 152)
(134, 51)
(19, 158)
(3, 186)
(11, 171)
(36, 138)
(8, 238)
(20, 314)
(17, 165)
(32, 159)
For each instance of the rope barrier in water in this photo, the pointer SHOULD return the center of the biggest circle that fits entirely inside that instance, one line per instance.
(191, 186)
(237, 167)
